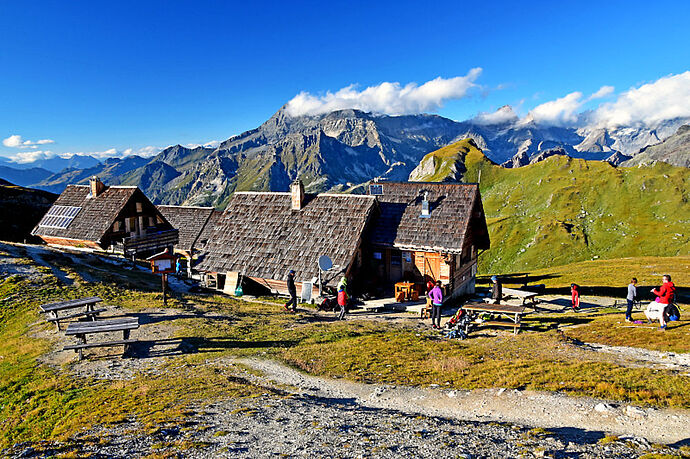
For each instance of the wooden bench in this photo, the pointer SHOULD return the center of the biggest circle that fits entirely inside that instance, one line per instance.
(512, 315)
(81, 329)
(524, 294)
(88, 304)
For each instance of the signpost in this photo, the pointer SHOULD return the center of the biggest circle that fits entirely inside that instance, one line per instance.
(163, 263)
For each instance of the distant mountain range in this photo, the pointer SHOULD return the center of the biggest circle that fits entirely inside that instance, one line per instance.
(343, 149)
(54, 164)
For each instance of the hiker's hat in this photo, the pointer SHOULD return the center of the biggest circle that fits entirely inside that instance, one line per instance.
(494, 278)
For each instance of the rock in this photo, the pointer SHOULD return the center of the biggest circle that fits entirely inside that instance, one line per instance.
(603, 408)
(501, 390)
(635, 412)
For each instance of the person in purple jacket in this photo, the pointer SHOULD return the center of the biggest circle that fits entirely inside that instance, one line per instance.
(436, 295)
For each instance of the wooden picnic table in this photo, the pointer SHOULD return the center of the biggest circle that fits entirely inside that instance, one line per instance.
(87, 303)
(81, 329)
(524, 294)
(511, 314)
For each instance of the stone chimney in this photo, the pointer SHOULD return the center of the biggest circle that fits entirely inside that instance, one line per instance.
(97, 186)
(297, 191)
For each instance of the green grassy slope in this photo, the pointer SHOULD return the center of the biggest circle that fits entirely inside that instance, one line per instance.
(445, 163)
(564, 210)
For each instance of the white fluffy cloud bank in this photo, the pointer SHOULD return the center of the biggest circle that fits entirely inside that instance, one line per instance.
(648, 105)
(665, 99)
(566, 110)
(16, 141)
(388, 98)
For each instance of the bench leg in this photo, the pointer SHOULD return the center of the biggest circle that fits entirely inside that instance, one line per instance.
(57, 322)
(82, 339)
(125, 336)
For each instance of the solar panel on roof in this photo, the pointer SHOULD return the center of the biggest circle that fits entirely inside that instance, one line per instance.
(59, 217)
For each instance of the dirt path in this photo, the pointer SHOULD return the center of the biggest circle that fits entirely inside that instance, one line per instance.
(539, 409)
(635, 356)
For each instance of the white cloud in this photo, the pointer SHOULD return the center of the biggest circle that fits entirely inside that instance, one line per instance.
(15, 141)
(565, 111)
(559, 112)
(388, 98)
(31, 156)
(665, 99)
(504, 114)
(602, 92)
(209, 144)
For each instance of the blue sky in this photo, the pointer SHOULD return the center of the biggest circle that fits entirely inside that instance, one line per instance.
(94, 76)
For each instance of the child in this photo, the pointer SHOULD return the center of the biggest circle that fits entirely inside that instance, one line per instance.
(574, 290)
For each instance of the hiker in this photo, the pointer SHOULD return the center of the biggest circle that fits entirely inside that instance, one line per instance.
(342, 301)
(496, 290)
(632, 297)
(177, 267)
(436, 295)
(656, 310)
(292, 290)
(429, 286)
(575, 291)
(343, 283)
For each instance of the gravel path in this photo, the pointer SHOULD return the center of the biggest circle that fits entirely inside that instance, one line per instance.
(308, 425)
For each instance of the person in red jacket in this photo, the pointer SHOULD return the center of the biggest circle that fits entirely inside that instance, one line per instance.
(574, 290)
(657, 308)
(342, 301)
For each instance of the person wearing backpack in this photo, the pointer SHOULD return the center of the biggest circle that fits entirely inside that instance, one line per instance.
(342, 301)
(657, 309)
(292, 290)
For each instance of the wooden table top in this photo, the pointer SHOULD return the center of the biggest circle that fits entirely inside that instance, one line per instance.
(497, 308)
(101, 326)
(70, 304)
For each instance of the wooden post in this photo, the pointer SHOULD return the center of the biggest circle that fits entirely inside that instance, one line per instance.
(165, 301)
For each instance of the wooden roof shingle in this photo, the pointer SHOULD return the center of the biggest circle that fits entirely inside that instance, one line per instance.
(96, 214)
(260, 235)
(400, 225)
(190, 221)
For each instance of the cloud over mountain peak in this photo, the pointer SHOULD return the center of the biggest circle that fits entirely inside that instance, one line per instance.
(388, 98)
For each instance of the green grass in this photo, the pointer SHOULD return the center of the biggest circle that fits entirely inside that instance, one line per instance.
(38, 401)
(565, 210)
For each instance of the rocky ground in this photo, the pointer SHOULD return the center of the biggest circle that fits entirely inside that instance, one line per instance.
(301, 415)
(304, 425)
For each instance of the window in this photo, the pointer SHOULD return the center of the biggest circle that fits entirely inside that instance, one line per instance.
(59, 217)
(396, 258)
(139, 207)
(152, 221)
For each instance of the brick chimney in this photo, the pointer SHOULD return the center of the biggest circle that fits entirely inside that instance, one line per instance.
(297, 191)
(96, 185)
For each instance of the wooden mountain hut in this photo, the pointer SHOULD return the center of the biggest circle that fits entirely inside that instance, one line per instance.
(98, 217)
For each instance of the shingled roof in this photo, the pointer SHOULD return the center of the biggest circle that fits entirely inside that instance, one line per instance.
(451, 204)
(260, 235)
(95, 215)
(190, 221)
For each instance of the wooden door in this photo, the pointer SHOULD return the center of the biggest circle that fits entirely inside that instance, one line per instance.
(429, 265)
(396, 272)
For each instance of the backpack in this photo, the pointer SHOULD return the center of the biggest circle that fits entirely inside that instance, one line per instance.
(673, 312)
